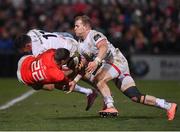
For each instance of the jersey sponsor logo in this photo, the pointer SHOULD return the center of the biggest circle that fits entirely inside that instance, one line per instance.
(97, 36)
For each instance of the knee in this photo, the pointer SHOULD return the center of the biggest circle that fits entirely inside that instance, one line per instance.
(101, 83)
(48, 87)
(127, 82)
(134, 94)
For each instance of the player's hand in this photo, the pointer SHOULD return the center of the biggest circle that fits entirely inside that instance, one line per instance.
(91, 67)
(71, 86)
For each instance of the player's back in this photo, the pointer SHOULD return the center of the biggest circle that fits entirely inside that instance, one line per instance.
(42, 69)
(42, 41)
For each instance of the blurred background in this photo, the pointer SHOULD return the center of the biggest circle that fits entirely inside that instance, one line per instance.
(146, 31)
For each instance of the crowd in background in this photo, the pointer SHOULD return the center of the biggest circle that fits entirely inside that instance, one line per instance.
(134, 26)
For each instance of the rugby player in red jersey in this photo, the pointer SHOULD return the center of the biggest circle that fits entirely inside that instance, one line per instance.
(45, 70)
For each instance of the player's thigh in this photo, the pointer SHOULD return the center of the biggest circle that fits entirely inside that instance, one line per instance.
(107, 73)
(127, 82)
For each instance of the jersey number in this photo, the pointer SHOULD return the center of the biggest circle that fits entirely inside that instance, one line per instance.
(47, 35)
(36, 71)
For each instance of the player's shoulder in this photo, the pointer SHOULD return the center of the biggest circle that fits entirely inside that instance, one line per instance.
(72, 40)
(47, 56)
(32, 30)
(50, 51)
(36, 31)
(32, 33)
(64, 34)
(95, 35)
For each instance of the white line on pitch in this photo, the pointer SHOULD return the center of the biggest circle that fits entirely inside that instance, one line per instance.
(16, 100)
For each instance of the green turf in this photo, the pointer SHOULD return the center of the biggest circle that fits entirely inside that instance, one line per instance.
(59, 111)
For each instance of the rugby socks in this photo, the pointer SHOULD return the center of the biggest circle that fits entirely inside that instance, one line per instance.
(163, 104)
(83, 90)
(108, 100)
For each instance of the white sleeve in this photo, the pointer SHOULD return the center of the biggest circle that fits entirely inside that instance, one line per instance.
(97, 37)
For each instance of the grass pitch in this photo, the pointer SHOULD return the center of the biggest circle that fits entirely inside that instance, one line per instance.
(56, 110)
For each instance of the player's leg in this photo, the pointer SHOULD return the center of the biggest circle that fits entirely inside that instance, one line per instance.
(84, 90)
(101, 80)
(91, 94)
(129, 89)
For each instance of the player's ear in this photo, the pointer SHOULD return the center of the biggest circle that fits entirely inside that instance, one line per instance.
(26, 49)
(28, 46)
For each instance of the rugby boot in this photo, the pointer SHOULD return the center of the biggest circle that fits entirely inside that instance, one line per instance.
(90, 99)
(109, 112)
(172, 111)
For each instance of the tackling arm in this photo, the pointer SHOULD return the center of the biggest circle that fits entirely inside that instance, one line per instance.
(103, 47)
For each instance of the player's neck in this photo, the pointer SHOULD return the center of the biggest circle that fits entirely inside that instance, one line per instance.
(85, 34)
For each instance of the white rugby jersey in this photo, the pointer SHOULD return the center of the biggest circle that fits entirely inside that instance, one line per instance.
(88, 46)
(42, 41)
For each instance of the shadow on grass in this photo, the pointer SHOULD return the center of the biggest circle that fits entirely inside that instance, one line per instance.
(101, 118)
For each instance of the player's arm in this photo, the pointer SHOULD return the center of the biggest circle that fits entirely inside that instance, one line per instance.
(102, 47)
(48, 87)
(80, 68)
(74, 82)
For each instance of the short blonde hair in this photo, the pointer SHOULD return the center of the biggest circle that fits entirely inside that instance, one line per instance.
(85, 20)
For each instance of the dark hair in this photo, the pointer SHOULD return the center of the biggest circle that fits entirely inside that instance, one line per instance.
(85, 19)
(61, 54)
(21, 41)
(71, 64)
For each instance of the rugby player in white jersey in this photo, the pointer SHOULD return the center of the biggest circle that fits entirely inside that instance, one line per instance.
(115, 66)
(38, 41)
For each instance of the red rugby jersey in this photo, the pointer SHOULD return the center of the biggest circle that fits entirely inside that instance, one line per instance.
(42, 69)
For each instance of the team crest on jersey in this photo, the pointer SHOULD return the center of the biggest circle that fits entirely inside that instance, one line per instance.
(97, 36)
(90, 45)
